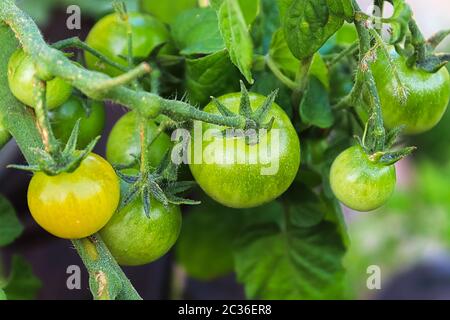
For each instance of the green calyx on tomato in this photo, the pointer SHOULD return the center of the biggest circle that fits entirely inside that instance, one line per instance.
(135, 239)
(410, 96)
(110, 37)
(64, 118)
(78, 204)
(359, 182)
(21, 72)
(124, 144)
(239, 174)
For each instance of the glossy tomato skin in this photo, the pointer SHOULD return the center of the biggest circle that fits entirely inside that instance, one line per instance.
(134, 239)
(21, 71)
(244, 183)
(64, 118)
(359, 183)
(109, 36)
(427, 99)
(124, 141)
(78, 204)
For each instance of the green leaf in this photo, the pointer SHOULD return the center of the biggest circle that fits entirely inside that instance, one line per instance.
(204, 248)
(208, 76)
(284, 59)
(291, 262)
(236, 36)
(399, 20)
(308, 24)
(10, 226)
(197, 32)
(22, 283)
(2, 295)
(167, 11)
(249, 8)
(267, 22)
(315, 108)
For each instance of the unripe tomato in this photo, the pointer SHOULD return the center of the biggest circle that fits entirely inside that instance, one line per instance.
(21, 71)
(226, 168)
(78, 204)
(110, 37)
(360, 183)
(135, 239)
(64, 118)
(427, 98)
(124, 141)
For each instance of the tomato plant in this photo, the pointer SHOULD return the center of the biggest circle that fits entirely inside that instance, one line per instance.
(241, 183)
(21, 71)
(412, 97)
(91, 115)
(110, 37)
(78, 204)
(271, 207)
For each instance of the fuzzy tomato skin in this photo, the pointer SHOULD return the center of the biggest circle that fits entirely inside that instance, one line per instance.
(134, 239)
(427, 99)
(124, 141)
(241, 184)
(78, 204)
(64, 118)
(21, 71)
(109, 36)
(359, 183)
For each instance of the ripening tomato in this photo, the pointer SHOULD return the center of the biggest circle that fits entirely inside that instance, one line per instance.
(241, 175)
(78, 204)
(360, 183)
(427, 94)
(135, 239)
(110, 37)
(124, 141)
(21, 71)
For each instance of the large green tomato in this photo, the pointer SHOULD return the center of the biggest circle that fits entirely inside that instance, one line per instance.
(167, 11)
(241, 175)
(64, 118)
(78, 204)
(135, 239)
(21, 71)
(110, 37)
(360, 183)
(428, 94)
(124, 141)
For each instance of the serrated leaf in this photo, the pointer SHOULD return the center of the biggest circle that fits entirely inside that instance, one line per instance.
(236, 37)
(22, 283)
(308, 24)
(197, 32)
(213, 75)
(10, 226)
(204, 247)
(304, 263)
(315, 108)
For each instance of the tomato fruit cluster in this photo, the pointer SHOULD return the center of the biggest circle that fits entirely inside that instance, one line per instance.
(360, 183)
(92, 120)
(239, 183)
(110, 37)
(78, 204)
(21, 71)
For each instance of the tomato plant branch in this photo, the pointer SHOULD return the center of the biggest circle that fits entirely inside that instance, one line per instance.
(279, 74)
(437, 38)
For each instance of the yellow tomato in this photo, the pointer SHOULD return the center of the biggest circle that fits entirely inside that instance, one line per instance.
(78, 204)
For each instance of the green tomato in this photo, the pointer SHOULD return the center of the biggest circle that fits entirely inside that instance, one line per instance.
(110, 37)
(4, 135)
(124, 141)
(360, 183)
(135, 239)
(64, 118)
(167, 11)
(428, 94)
(240, 175)
(21, 71)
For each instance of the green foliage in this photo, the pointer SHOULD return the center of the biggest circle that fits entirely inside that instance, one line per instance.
(2, 295)
(10, 226)
(249, 8)
(166, 11)
(21, 284)
(315, 108)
